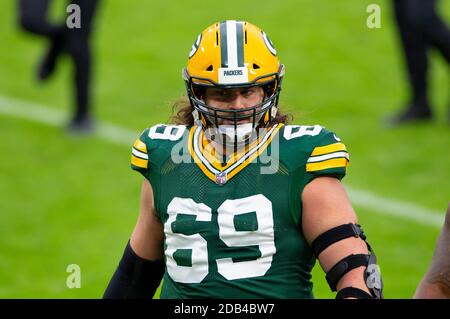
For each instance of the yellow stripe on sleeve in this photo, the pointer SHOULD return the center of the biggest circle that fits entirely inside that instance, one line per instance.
(320, 150)
(331, 163)
(139, 162)
(140, 146)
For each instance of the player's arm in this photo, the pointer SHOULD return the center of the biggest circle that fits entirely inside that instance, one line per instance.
(142, 266)
(436, 282)
(342, 255)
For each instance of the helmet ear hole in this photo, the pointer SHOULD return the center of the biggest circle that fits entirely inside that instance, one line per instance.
(255, 66)
(198, 91)
(270, 88)
(210, 68)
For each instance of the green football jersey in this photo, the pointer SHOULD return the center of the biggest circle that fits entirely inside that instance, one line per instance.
(234, 230)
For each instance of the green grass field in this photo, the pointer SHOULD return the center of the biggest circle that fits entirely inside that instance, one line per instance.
(66, 200)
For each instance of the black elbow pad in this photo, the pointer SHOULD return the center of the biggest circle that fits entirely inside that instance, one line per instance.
(135, 277)
(372, 275)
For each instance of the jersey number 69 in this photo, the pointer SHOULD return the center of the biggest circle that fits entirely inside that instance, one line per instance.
(263, 237)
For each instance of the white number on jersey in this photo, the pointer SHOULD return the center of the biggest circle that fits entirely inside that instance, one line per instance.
(197, 243)
(263, 237)
(294, 131)
(166, 132)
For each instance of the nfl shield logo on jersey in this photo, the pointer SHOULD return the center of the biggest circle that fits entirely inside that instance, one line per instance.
(221, 178)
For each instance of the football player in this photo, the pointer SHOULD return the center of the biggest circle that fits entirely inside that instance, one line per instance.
(235, 203)
(436, 282)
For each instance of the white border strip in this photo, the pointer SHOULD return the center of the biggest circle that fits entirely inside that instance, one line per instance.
(10, 107)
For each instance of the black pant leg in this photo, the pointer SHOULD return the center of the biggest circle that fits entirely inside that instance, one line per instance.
(79, 48)
(415, 49)
(431, 25)
(33, 17)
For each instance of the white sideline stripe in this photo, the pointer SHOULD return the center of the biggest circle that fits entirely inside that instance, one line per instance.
(125, 137)
(42, 114)
(396, 208)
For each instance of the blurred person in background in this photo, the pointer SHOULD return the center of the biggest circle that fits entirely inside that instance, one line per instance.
(33, 17)
(436, 282)
(420, 28)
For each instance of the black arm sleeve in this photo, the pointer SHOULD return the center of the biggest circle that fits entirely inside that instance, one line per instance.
(135, 278)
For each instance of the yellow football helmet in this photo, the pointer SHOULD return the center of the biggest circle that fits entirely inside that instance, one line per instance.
(232, 54)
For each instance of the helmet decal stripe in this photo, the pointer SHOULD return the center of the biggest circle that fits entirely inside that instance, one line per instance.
(240, 43)
(233, 70)
(195, 46)
(223, 44)
(232, 44)
(269, 44)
